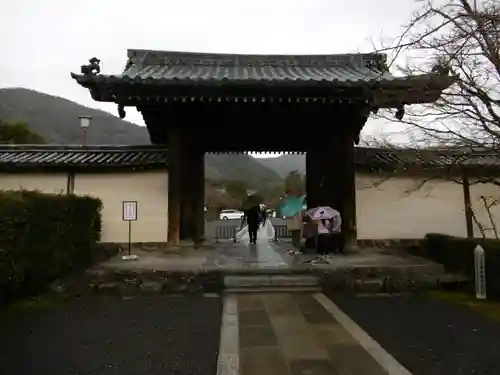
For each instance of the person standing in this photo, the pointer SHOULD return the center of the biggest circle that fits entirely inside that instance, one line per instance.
(294, 224)
(252, 217)
(329, 238)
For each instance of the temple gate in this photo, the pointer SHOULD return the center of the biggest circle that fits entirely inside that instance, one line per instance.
(193, 103)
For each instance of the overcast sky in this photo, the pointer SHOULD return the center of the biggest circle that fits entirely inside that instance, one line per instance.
(44, 40)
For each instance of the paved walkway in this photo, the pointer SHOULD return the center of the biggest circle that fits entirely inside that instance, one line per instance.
(294, 334)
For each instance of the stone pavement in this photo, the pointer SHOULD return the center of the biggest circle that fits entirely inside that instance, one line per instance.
(292, 334)
(263, 256)
(205, 269)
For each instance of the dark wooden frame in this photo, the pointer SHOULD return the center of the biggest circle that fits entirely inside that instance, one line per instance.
(178, 113)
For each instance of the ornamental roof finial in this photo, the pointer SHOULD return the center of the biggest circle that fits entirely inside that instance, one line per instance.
(121, 111)
(91, 69)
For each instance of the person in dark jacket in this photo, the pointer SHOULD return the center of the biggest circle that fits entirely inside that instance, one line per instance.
(252, 217)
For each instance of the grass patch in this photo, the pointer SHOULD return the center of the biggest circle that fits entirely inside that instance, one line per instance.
(491, 309)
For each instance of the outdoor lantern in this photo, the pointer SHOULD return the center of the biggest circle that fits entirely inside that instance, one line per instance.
(84, 124)
(85, 121)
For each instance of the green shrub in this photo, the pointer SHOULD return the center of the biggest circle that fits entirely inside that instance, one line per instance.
(44, 237)
(457, 255)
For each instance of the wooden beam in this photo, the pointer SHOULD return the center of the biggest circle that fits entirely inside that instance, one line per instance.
(337, 183)
(187, 215)
(174, 185)
(349, 221)
(198, 188)
(313, 177)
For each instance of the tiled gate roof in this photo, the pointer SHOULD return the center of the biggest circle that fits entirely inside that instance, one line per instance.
(169, 70)
(165, 66)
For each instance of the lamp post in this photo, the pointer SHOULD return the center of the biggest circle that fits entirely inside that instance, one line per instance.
(84, 124)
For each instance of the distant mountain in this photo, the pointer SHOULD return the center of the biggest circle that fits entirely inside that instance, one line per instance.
(284, 164)
(239, 167)
(56, 119)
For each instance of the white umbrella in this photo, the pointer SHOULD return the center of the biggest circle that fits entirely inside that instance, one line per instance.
(323, 212)
(326, 213)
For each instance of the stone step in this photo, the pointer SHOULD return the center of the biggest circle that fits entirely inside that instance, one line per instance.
(258, 281)
(370, 286)
(271, 289)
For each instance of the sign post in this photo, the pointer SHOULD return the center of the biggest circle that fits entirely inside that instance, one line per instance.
(129, 213)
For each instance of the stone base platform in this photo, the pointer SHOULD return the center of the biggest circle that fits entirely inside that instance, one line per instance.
(207, 270)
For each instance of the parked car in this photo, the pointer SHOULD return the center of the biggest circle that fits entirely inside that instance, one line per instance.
(271, 213)
(231, 215)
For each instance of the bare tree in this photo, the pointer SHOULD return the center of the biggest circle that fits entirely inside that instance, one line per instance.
(462, 38)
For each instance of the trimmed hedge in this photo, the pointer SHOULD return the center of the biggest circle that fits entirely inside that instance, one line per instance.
(457, 255)
(44, 237)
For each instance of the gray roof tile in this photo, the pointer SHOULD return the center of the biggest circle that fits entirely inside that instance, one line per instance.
(206, 67)
(49, 156)
(164, 67)
(366, 159)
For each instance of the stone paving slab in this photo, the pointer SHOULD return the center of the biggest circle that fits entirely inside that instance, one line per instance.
(263, 256)
(229, 357)
(207, 270)
(293, 334)
(203, 270)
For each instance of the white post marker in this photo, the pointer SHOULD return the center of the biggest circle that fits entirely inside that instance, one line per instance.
(129, 213)
(480, 272)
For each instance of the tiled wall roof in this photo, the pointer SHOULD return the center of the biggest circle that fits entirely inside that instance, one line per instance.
(366, 159)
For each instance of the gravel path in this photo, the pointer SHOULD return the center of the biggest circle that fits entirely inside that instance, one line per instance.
(428, 337)
(91, 336)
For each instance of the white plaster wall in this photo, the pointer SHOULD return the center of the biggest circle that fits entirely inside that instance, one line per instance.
(54, 183)
(404, 208)
(149, 189)
(394, 208)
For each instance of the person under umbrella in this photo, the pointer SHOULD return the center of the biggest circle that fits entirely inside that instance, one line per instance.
(291, 209)
(329, 235)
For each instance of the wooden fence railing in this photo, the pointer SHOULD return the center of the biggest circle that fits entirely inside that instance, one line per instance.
(281, 231)
(225, 232)
(228, 232)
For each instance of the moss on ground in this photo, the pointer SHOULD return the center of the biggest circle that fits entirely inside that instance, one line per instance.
(487, 308)
(41, 302)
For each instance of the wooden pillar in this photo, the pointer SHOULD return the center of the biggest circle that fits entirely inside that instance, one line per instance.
(467, 205)
(198, 189)
(313, 177)
(174, 184)
(192, 207)
(349, 191)
(337, 182)
(187, 214)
